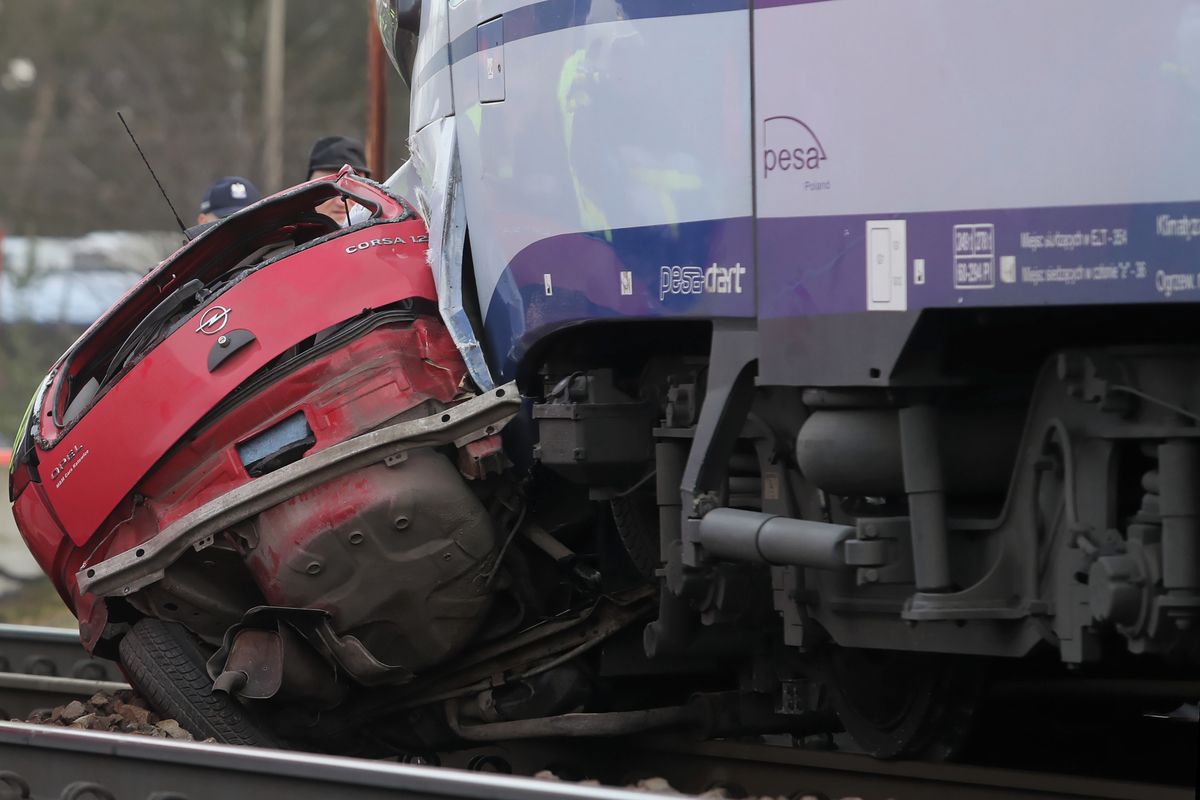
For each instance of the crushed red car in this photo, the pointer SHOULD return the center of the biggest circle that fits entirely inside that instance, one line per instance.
(269, 445)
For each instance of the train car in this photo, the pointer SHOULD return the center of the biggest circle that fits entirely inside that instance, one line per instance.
(797, 366)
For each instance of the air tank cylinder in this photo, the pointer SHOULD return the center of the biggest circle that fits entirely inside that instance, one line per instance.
(856, 452)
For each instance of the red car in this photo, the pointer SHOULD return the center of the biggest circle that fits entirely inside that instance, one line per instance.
(269, 446)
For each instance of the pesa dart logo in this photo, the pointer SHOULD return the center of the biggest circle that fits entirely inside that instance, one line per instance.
(789, 145)
(697, 280)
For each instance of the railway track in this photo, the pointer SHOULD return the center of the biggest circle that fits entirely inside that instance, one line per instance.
(50, 652)
(52, 760)
(791, 772)
(21, 695)
(47, 667)
(41, 762)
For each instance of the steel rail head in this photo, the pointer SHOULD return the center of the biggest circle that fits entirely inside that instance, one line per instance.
(51, 652)
(70, 688)
(53, 757)
(125, 573)
(38, 633)
(48, 759)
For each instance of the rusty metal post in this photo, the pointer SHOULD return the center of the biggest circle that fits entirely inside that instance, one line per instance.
(376, 98)
(273, 78)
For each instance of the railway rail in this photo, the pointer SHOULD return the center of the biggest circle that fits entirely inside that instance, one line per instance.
(51, 762)
(46, 667)
(21, 695)
(790, 772)
(50, 652)
(40, 762)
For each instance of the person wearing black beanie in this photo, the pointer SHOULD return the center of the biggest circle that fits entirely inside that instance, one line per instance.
(329, 154)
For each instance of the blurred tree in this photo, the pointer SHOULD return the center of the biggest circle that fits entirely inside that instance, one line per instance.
(188, 77)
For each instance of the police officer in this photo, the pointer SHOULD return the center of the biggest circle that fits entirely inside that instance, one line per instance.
(226, 196)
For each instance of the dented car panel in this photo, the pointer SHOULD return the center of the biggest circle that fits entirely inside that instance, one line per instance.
(118, 447)
(273, 345)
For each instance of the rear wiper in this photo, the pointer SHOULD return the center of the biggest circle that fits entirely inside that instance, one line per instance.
(165, 308)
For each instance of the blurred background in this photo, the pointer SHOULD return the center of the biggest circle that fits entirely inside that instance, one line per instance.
(81, 219)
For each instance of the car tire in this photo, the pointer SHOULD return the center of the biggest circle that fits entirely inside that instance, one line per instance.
(165, 663)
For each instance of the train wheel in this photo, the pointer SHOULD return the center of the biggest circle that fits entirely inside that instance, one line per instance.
(905, 705)
(165, 663)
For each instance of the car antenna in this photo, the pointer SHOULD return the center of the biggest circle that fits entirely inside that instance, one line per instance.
(178, 221)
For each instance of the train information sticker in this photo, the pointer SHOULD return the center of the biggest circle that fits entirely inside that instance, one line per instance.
(974, 256)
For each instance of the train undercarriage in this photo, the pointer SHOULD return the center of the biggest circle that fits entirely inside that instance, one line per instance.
(690, 549)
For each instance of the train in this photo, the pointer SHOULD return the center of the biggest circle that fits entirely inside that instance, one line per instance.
(740, 367)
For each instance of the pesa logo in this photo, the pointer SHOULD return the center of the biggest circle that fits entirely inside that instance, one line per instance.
(789, 145)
